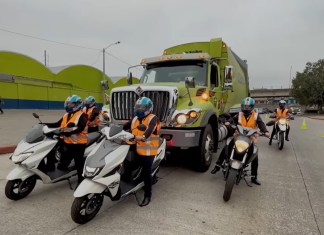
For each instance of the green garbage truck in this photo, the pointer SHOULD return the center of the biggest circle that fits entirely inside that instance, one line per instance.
(190, 85)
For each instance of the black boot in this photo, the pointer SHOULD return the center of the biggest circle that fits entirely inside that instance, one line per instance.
(270, 142)
(287, 139)
(145, 201)
(255, 180)
(216, 169)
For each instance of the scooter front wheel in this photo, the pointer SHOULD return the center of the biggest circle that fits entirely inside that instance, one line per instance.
(85, 208)
(18, 189)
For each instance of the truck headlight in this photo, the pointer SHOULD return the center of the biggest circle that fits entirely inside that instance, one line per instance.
(185, 117)
(91, 171)
(181, 118)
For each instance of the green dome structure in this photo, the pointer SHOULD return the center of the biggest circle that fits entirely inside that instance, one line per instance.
(25, 83)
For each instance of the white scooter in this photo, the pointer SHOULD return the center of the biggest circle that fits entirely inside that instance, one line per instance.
(108, 171)
(36, 158)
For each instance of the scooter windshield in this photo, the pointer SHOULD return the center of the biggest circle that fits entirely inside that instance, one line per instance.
(35, 134)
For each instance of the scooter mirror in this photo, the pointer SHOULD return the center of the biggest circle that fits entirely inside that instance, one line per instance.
(141, 127)
(35, 115)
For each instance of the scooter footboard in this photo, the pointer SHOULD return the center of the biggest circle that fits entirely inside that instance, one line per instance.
(19, 172)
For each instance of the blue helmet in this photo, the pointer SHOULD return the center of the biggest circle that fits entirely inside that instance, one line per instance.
(282, 104)
(89, 101)
(143, 107)
(247, 105)
(73, 103)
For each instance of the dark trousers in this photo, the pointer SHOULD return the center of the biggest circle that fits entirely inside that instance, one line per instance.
(146, 162)
(76, 152)
(93, 129)
(1, 110)
(225, 154)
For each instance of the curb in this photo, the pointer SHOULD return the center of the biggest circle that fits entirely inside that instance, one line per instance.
(7, 149)
(314, 117)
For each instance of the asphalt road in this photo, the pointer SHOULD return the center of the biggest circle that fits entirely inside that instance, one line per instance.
(289, 201)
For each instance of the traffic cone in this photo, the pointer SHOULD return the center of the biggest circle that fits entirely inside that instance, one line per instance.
(303, 125)
(266, 117)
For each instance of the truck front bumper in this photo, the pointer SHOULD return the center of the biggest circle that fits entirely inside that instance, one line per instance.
(181, 138)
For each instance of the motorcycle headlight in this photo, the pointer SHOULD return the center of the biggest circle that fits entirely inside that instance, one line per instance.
(241, 145)
(91, 171)
(282, 121)
(21, 157)
(185, 117)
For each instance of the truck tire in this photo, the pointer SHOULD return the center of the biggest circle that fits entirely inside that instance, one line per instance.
(204, 153)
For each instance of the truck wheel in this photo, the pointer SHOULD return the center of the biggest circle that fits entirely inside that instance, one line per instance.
(204, 153)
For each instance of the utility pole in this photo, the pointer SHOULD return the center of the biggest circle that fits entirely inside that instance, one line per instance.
(290, 77)
(45, 57)
(104, 81)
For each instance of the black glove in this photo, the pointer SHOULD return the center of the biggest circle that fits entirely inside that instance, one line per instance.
(67, 134)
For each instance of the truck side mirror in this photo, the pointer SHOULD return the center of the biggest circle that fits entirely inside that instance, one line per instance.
(190, 82)
(130, 78)
(228, 81)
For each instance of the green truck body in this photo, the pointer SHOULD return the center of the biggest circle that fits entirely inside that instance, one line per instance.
(190, 85)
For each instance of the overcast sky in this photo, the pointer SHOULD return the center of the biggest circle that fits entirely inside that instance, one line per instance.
(276, 37)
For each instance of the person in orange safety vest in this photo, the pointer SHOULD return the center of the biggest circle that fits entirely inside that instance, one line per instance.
(147, 142)
(281, 112)
(92, 113)
(74, 126)
(248, 117)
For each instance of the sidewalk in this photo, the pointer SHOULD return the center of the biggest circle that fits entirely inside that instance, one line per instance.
(14, 125)
(315, 116)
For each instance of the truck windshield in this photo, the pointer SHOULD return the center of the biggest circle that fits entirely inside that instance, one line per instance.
(176, 71)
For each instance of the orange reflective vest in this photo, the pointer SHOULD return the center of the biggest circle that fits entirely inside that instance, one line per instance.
(79, 138)
(251, 123)
(150, 146)
(96, 121)
(282, 113)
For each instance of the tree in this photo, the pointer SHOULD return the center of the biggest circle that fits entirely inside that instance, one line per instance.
(308, 86)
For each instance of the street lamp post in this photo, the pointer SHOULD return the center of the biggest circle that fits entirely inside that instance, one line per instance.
(104, 70)
(290, 77)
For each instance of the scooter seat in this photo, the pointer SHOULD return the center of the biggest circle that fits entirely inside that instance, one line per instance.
(92, 137)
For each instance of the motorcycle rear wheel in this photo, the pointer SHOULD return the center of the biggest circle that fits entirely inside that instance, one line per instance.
(18, 189)
(85, 208)
(281, 140)
(231, 178)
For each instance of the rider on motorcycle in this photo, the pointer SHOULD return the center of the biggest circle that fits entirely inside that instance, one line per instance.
(248, 117)
(280, 112)
(92, 112)
(147, 142)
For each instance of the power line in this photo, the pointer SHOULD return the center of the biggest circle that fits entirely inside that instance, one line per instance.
(63, 43)
(47, 40)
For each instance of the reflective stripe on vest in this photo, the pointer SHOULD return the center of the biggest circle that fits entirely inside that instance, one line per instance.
(251, 123)
(282, 113)
(80, 138)
(96, 121)
(150, 146)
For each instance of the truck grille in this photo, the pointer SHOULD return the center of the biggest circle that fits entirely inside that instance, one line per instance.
(122, 104)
